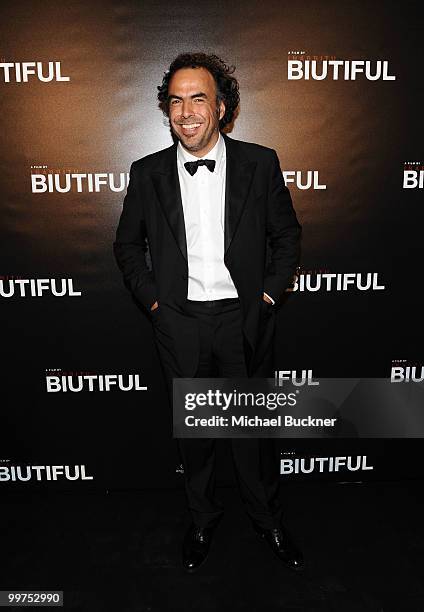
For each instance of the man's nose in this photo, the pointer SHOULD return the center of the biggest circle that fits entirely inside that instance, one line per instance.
(187, 108)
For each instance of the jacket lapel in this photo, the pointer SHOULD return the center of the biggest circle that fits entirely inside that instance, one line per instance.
(167, 185)
(238, 180)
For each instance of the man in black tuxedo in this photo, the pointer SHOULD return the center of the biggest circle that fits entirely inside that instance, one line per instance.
(223, 238)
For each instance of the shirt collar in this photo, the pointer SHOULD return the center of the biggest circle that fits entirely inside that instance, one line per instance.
(217, 153)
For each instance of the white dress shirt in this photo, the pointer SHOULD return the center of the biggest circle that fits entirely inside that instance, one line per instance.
(203, 199)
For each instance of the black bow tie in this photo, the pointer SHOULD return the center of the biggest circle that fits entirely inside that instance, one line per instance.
(192, 166)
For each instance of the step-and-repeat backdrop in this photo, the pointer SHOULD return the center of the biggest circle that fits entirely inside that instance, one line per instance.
(335, 87)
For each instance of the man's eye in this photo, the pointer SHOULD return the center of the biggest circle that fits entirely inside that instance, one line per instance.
(198, 99)
(174, 102)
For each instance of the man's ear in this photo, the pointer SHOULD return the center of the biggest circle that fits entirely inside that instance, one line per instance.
(221, 110)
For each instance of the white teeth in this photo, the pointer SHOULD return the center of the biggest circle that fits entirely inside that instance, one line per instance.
(191, 126)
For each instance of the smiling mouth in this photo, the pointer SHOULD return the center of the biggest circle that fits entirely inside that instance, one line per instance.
(190, 127)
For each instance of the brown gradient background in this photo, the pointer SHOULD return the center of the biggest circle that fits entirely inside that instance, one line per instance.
(357, 134)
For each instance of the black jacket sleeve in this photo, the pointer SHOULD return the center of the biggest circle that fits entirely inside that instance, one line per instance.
(283, 233)
(130, 246)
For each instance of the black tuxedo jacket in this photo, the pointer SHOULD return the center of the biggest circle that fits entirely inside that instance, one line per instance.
(261, 240)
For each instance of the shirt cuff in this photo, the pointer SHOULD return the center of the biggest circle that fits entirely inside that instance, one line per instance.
(268, 296)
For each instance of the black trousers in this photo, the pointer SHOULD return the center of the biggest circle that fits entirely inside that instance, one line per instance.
(256, 466)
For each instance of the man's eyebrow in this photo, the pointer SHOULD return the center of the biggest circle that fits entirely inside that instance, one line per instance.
(196, 95)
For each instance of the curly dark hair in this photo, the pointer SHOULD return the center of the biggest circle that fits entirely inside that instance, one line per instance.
(227, 87)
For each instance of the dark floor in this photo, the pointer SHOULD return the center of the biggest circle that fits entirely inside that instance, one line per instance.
(363, 544)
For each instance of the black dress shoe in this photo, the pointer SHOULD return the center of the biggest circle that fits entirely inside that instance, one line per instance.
(196, 547)
(282, 545)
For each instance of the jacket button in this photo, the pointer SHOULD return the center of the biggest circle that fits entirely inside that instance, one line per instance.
(184, 276)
